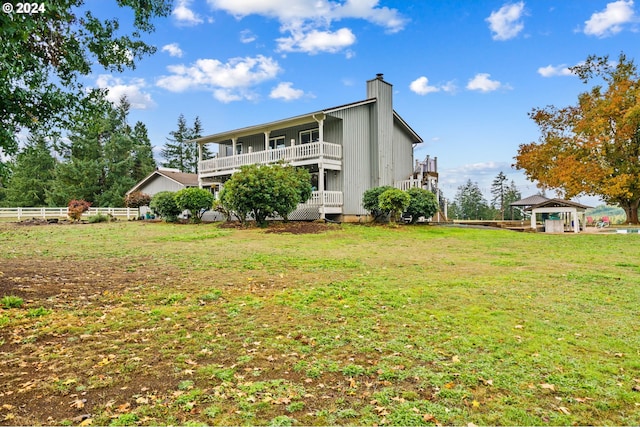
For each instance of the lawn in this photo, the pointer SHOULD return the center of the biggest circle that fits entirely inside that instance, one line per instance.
(150, 323)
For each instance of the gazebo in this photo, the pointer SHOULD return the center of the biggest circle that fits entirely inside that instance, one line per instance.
(561, 214)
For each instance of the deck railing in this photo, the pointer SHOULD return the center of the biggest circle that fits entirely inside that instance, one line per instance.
(408, 183)
(44, 213)
(288, 154)
(331, 198)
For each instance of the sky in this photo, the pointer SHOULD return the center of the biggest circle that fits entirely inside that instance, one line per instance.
(465, 74)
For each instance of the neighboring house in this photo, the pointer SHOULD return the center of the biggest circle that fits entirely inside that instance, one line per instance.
(347, 149)
(163, 179)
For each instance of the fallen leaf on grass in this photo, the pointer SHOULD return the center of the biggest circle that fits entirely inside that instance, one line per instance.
(475, 404)
(548, 387)
(564, 410)
(86, 422)
(78, 403)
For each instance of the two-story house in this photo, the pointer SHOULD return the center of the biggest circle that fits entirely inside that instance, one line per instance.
(347, 149)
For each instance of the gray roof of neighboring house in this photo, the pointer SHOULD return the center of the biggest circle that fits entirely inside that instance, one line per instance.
(186, 179)
(530, 201)
(559, 203)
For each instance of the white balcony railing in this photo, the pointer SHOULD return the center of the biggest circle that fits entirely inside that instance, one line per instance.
(408, 183)
(331, 199)
(294, 153)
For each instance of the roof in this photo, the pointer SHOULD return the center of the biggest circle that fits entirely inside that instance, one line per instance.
(296, 120)
(556, 203)
(186, 179)
(530, 201)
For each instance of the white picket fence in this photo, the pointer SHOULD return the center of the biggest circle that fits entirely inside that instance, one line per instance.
(45, 213)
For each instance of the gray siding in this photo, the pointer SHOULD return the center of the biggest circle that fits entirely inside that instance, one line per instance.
(356, 153)
(382, 130)
(402, 154)
(160, 183)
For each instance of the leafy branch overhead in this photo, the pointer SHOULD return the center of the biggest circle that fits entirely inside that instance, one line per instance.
(43, 55)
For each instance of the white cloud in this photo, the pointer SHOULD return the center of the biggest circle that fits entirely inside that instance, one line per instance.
(316, 41)
(117, 88)
(173, 49)
(483, 83)
(421, 86)
(247, 36)
(306, 24)
(184, 15)
(286, 92)
(610, 20)
(554, 70)
(506, 22)
(230, 81)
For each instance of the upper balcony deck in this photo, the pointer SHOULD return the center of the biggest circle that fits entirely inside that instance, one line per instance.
(303, 154)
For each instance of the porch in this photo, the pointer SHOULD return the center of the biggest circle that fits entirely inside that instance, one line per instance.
(298, 155)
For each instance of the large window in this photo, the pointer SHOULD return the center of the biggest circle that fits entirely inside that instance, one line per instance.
(311, 135)
(277, 142)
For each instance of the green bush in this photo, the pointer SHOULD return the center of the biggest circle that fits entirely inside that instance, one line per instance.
(423, 203)
(371, 202)
(11, 301)
(196, 200)
(98, 218)
(164, 205)
(264, 191)
(395, 201)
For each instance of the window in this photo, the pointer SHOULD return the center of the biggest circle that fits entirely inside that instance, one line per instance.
(238, 148)
(228, 150)
(277, 142)
(311, 135)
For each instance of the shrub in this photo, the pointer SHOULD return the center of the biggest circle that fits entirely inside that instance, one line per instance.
(98, 218)
(423, 203)
(11, 301)
(164, 205)
(196, 200)
(395, 201)
(77, 208)
(137, 199)
(371, 202)
(264, 191)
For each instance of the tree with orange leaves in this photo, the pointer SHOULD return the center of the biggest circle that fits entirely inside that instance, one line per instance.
(592, 148)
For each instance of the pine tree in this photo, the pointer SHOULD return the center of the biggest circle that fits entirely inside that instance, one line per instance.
(143, 163)
(33, 174)
(470, 203)
(498, 189)
(512, 194)
(180, 154)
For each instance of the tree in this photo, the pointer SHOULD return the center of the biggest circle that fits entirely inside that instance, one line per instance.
(422, 203)
(43, 56)
(592, 148)
(33, 174)
(137, 199)
(264, 191)
(196, 200)
(498, 190)
(395, 201)
(178, 153)
(143, 161)
(512, 194)
(469, 202)
(371, 202)
(164, 204)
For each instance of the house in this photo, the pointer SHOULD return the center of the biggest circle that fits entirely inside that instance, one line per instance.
(164, 179)
(347, 149)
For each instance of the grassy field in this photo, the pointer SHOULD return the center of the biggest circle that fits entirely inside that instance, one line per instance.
(151, 323)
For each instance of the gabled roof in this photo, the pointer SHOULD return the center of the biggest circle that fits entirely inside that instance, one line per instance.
(186, 179)
(559, 203)
(530, 201)
(297, 120)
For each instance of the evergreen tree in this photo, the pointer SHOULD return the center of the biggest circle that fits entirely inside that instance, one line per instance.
(498, 190)
(143, 163)
(34, 167)
(512, 194)
(470, 204)
(182, 155)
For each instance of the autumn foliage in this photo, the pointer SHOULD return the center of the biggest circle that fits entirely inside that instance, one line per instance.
(592, 148)
(77, 208)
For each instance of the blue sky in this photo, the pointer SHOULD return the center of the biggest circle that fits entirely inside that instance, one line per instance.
(465, 73)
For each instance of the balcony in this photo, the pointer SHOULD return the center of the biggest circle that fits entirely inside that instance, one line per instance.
(297, 155)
